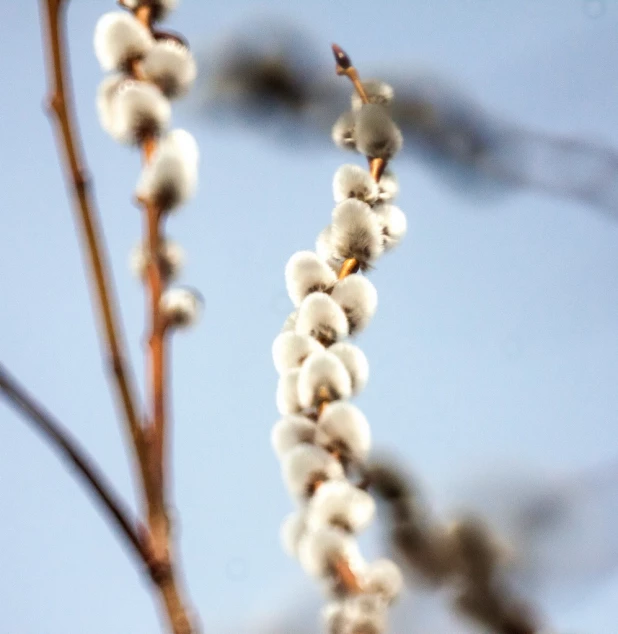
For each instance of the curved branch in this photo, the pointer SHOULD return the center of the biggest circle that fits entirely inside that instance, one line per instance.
(76, 456)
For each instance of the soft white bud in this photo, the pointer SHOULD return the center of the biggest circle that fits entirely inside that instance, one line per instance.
(171, 260)
(290, 322)
(171, 66)
(105, 101)
(319, 549)
(119, 39)
(290, 350)
(356, 233)
(358, 298)
(339, 503)
(181, 307)
(359, 614)
(343, 131)
(355, 362)
(393, 222)
(289, 431)
(321, 317)
(292, 530)
(323, 377)
(306, 466)
(306, 272)
(343, 427)
(383, 577)
(352, 181)
(388, 186)
(324, 249)
(158, 8)
(287, 392)
(378, 92)
(377, 136)
(171, 176)
(138, 110)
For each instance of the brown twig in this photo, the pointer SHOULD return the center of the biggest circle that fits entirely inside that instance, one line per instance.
(77, 457)
(60, 107)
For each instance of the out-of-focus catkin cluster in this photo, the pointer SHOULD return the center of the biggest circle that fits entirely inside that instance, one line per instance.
(149, 67)
(322, 439)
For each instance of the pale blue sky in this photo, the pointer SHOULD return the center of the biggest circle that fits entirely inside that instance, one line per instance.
(495, 346)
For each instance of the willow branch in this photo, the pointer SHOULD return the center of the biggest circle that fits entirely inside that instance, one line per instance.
(76, 456)
(87, 217)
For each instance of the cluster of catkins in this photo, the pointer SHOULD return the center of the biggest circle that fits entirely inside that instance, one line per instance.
(149, 67)
(322, 439)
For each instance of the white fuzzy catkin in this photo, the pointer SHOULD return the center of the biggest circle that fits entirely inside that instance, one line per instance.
(289, 325)
(340, 504)
(343, 131)
(393, 222)
(343, 427)
(138, 109)
(388, 186)
(376, 134)
(171, 260)
(292, 530)
(324, 249)
(319, 549)
(321, 317)
(306, 465)
(180, 306)
(289, 431)
(171, 66)
(119, 38)
(360, 614)
(170, 178)
(306, 272)
(383, 577)
(356, 233)
(290, 350)
(323, 377)
(355, 362)
(287, 392)
(377, 91)
(352, 181)
(105, 100)
(158, 8)
(358, 298)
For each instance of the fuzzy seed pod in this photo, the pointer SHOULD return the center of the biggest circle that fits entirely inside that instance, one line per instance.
(323, 377)
(343, 131)
(138, 110)
(355, 363)
(340, 504)
(352, 181)
(376, 134)
(171, 260)
(306, 466)
(105, 100)
(356, 233)
(342, 427)
(119, 39)
(171, 66)
(290, 350)
(321, 317)
(158, 8)
(358, 298)
(171, 176)
(290, 431)
(378, 92)
(306, 272)
(383, 577)
(324, 249)
(388, 186)
(319, 549)
(287, 392)
(393, 222)
(292, 531)
(181, 307)
(359, 614)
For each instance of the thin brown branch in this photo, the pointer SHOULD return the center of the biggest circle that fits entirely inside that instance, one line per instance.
(87, 217)
(76, 456)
